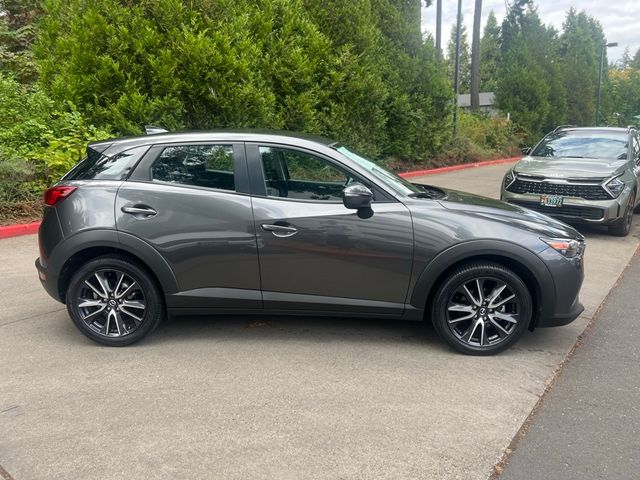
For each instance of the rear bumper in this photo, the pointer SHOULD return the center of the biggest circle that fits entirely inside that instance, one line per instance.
(49, 283)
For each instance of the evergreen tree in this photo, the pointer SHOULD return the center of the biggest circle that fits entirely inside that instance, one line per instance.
(513, 23)
(489, 54)
(530, 55)
(623, 99)
(17, 32)
(465, 58)
(580, 49)
(635, 63)
(625, 60)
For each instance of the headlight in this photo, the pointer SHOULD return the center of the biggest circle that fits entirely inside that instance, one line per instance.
(615, 186)
(568, 248)
(509, 178)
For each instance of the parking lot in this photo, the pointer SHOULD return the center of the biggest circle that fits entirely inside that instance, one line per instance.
(266, 397)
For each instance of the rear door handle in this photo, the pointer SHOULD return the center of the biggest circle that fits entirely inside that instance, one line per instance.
(279, 230)
(139, 210)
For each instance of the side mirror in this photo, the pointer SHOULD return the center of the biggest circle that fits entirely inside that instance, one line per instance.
(357, 196)
(526, 150)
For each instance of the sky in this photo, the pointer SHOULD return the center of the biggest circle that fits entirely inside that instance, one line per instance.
(620, 19)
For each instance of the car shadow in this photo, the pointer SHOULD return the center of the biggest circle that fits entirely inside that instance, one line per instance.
(295, 328)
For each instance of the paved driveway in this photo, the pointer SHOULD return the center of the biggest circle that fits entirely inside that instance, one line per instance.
(266, 398)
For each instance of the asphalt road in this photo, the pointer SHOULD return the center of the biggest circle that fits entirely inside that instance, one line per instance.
(268, 397)
(588, 426)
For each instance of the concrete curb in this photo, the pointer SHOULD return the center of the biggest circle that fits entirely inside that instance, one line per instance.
(453, 168)
(19, 229)
(31, 228)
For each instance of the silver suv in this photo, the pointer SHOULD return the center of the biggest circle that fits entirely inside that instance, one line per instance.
(580, 175)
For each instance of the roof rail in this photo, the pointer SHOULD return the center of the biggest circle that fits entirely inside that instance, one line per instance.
(562, 127)
(154, 130)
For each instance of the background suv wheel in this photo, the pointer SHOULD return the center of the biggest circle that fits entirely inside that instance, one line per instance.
(481, 308)
(623, 227)
(114, 301)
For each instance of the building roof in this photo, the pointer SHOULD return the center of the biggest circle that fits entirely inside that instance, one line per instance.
(487, 99)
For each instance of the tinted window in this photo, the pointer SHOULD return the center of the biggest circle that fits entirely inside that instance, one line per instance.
(107, 167)
(208, 166)
(299, 175)
(584, 144)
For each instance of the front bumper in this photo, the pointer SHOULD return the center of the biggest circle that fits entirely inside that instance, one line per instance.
(561, 305)
(573, 209)
(560, 319)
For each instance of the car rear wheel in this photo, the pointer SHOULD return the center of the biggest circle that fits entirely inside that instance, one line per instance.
(623, 227)
(113, 301)
(481, 308)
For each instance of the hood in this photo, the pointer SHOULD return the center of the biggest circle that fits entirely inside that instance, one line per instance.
(563, 167)
(513, 215)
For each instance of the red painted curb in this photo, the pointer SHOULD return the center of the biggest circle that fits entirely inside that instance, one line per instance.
(20, 229)
(453, 168)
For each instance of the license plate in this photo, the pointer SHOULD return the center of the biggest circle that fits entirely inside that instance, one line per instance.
(551, 200)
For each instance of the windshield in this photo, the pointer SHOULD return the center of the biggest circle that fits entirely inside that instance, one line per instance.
(584, 144)
(392, 180)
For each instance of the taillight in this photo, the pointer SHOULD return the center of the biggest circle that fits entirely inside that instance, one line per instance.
(54, 195)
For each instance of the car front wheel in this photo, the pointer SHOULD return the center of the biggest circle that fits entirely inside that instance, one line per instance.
(481, 308)
(113, 301)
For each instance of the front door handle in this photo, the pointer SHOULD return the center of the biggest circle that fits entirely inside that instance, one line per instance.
(139, 210)
(279, 230)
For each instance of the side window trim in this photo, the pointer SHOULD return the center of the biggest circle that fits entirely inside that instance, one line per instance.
(142, 172)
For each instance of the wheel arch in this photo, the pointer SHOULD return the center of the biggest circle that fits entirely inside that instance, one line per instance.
(524, 263)
(84, 246)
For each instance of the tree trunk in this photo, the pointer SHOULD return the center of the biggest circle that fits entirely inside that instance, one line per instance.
(439, 29)
(475, 58)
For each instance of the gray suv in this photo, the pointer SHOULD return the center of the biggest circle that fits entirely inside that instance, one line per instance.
(580, 175)
(254, 223)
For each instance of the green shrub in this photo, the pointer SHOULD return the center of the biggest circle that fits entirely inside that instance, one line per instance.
(355, 71)
(39, 140)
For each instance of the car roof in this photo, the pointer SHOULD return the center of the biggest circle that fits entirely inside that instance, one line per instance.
(594, 129)
(239, 135)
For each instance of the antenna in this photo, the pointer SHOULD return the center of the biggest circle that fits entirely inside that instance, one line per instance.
(154, 130)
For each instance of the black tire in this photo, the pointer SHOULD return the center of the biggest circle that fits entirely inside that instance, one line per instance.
(623, 227)
(490, 276)
(137, 286)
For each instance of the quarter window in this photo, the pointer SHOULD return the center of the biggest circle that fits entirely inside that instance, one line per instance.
(208, 166)
(298, 175)
(96, 166)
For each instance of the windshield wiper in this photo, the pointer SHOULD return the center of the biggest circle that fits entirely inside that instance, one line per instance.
(421, 195)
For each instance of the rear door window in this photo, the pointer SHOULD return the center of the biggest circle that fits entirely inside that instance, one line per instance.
(210, 166)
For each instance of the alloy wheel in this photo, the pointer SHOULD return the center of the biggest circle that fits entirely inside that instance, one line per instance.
(629, 211)
(111, 303)
(483, 311)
